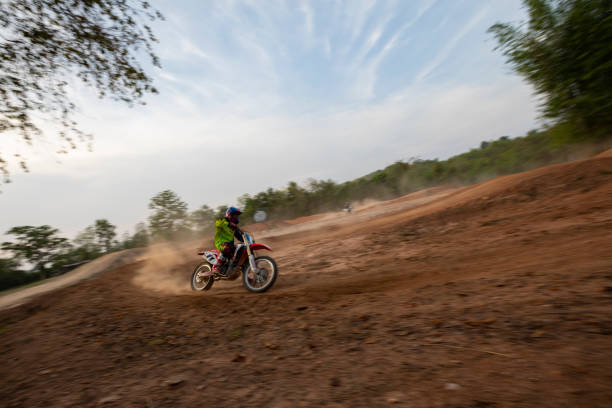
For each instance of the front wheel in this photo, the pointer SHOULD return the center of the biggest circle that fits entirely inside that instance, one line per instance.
(200, 282)
(263, 278)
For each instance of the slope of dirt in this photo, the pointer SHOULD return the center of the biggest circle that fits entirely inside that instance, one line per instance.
(363, 212)
(607, 153)
(87, 271)
(497, 295)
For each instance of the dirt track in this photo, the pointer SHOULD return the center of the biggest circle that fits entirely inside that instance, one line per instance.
(497, 295)
(87, 271)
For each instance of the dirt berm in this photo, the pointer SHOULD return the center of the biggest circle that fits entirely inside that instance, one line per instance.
(87, 271)
(495, 295)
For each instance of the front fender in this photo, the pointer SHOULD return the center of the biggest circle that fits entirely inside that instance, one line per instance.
(255, 247)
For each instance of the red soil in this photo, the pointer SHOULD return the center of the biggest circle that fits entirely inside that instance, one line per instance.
(496, 295)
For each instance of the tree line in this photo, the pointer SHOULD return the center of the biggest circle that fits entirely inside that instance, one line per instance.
(491, 159)
(563, 50)
(39, 252)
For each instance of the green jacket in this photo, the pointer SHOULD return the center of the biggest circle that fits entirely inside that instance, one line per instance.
(223, 233)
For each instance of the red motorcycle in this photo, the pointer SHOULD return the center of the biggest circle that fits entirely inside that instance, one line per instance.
(258, 272)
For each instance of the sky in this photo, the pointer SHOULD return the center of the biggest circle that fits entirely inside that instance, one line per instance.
(257, 93)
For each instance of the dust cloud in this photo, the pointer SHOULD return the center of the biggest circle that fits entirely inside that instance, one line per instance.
(166, 268)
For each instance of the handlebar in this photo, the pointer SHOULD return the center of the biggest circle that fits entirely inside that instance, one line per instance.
(248, 238)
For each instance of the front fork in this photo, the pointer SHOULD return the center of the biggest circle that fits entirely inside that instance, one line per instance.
(251, 257)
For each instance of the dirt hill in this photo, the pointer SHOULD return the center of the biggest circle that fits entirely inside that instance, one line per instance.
(496, 295)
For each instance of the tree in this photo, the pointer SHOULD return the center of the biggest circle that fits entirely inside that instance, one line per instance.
(297, 199)
(11, 276)
(564, 52)
(202, 220)
(96, 239)
(169, 217)
(8, 265)
(36, 245)
(220, 211)
(248, 206)
(105, 234)
(140, 239)
(87, 246)
(45, 44)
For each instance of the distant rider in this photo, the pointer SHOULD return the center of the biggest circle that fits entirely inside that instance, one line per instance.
(226, 230)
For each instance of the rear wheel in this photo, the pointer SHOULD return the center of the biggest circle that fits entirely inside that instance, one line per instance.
(200, 282)
(263, 278)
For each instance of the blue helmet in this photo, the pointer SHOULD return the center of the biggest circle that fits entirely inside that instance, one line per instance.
(232, 213)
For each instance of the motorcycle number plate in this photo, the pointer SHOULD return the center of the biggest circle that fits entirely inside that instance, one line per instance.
(211, 258)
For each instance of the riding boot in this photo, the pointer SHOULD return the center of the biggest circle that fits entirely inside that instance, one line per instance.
(220, 267)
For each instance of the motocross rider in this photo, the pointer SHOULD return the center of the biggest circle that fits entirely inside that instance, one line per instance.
(226, 230)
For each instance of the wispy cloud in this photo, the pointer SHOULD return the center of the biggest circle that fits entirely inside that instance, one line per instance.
(308, 16)
(368, 74)
(367, 68)
(281, 86)
(327, 47)
(371, 41)
(450, 45)
(188, 47)
(355, 14)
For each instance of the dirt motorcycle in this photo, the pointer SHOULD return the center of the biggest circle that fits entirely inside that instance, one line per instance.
(258, 272)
